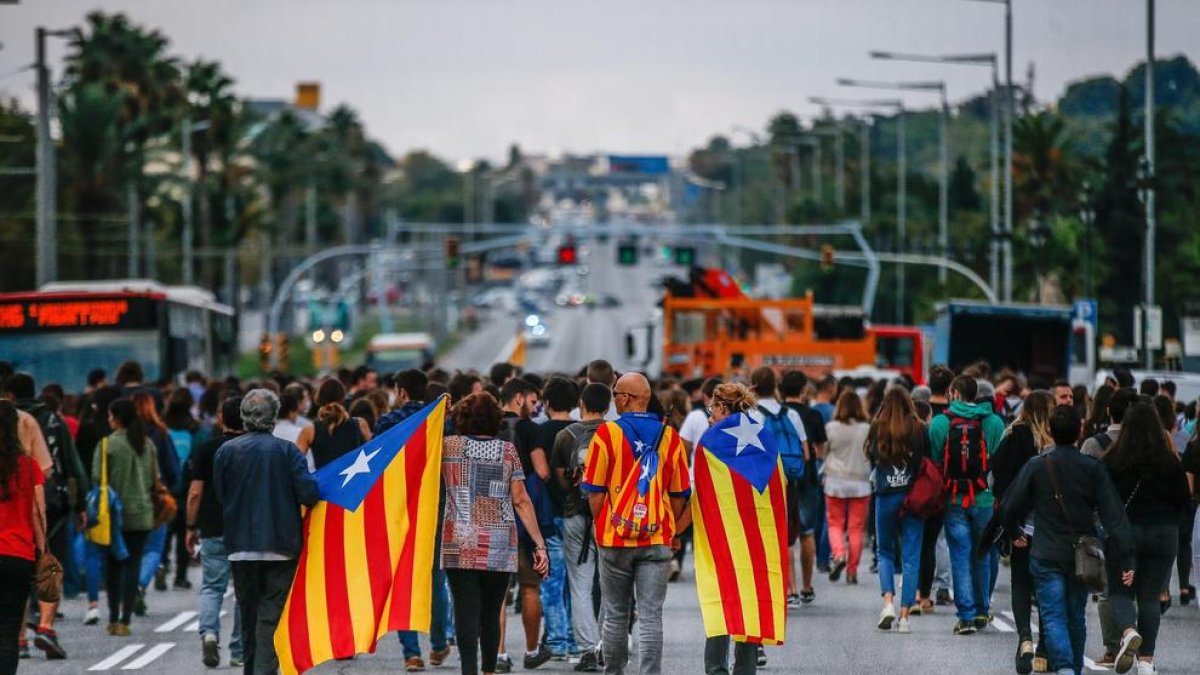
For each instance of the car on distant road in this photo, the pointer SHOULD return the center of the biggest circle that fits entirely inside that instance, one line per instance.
(536, 332)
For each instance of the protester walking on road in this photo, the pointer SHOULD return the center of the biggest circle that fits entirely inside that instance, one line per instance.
(479, 534)
(1064, 489)
(1153, 486)
(261, 482)
(335, 432)
(638, 484)
(847, 485)
(132, 470)
(896, 446)
(22, 533)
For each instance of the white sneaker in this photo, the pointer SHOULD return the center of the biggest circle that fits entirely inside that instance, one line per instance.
(902, 627)
(92, 618)
(1127, 654)
(1146, 668)
(886, 617)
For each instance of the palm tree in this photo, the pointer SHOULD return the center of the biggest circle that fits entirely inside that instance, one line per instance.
(90, 117)
(1042, 171)
(211, 103)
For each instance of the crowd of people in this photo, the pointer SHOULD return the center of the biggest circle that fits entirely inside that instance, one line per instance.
(938, 484)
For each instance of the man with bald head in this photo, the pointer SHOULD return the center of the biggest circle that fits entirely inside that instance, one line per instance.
(638, 485)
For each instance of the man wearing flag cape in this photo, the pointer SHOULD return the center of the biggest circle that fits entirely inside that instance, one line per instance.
(739, 518)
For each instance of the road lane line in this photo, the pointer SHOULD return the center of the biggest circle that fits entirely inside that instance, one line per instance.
(149, 657)
(1091, 665)
(1002, 626)
(179, 620)
(194, 627)
(122, 654)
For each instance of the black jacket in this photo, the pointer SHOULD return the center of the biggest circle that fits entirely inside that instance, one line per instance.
(1086, 490)
(1017, 448)
(260, 482)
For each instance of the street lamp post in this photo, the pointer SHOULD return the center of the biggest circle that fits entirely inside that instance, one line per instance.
(47, 176)
(740, 170)
(1145, 185)
(943, 151)
(1087, 215)
(1149, 182)
(189, 259)
(901, 180)
(839, 160)
(991, 61)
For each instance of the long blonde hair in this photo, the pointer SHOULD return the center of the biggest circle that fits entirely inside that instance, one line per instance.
(735, 397)
(1035, 413)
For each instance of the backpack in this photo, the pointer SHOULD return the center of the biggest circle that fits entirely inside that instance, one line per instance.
(58, 490)
(539, 493)
(965, 460)
(582, 435)
(787, 439)
(926, 496)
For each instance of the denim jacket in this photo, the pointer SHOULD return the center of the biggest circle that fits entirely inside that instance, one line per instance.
(261, 482)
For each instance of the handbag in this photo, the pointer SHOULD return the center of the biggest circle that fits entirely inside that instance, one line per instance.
(165, 506)
(926, 496)
(99, 516)
(1089, 552)
(47, 571)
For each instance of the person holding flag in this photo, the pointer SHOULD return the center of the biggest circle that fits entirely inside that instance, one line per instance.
(638, 486)
(739, 519)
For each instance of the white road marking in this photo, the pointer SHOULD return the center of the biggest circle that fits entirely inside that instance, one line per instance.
(179, 620)
(1091, 665)
(1002, 626)
(149, 657)
(194, 627)
(122, 654)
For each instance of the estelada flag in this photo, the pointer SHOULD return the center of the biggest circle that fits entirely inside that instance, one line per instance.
(739, 515)
(365, 569)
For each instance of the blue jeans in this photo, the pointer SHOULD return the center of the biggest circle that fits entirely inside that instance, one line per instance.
(910, 528)
(971, 577)
(554, 597)
(438, 623)
(1062, 603)
(93, 557)
(152, 556)
(214, 580)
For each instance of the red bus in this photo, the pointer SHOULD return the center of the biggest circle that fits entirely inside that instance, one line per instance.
(903, 348)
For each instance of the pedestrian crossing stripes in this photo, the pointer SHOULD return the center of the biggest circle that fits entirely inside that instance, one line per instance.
(179, 620)
(1001, 626)
(194, 627)
(122, 654)
(1089, 664)
(149, 657)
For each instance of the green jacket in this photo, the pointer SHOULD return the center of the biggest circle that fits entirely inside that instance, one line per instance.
(132, 476)
(993, 432)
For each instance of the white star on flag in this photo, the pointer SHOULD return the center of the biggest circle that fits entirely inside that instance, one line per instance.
(362, 464)
(746, 433)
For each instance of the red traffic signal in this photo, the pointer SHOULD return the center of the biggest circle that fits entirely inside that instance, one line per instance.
(567, 255)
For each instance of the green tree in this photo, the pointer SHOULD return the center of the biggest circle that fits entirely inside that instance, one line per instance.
(212, 106)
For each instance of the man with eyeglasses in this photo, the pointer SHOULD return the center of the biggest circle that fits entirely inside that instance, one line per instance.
(638, 485)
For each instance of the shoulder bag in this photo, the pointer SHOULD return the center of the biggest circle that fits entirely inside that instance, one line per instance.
(165, 506)
(47, 570)
(1089, 552)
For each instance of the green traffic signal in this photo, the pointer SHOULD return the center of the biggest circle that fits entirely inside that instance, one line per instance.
(627, 254)
(685, 256)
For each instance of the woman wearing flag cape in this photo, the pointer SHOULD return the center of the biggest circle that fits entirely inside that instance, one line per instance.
(739, 517)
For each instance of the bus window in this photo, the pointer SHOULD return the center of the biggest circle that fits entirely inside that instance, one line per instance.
(66, 358)
(894, 352)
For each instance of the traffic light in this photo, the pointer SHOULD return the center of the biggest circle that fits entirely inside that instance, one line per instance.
(627, 254)
(282, 360)
(452, 258)
(567, 255)
(685, 256)
(827, 258)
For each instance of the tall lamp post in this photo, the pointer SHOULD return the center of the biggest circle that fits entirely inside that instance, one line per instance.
(1145, 186)
(938, 86)
(1087, 216)
(1009, 112)
(47, 175)
(989, 60)
(901, 178)
(1149, 199)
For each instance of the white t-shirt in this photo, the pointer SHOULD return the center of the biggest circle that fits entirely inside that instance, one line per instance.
(693, 427)
(287, 430)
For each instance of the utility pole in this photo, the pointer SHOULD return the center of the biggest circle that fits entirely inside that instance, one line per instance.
(840, 151)
(944, 187)
(189, 259)
(1009, 112)
(901, 210)
(994, 250)
(310, 216)
(135, 225)
(865, 166)
(47, 216)
(1150, 180)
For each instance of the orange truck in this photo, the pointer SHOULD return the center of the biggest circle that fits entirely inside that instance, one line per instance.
(721, 331)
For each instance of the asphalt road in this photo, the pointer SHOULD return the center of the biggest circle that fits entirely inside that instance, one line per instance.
(835, 634)
(577, 334)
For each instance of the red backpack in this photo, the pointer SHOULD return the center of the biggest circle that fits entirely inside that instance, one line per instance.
(926, 496)
(965, 460)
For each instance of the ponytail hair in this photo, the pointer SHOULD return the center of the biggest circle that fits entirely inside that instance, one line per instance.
(126, 413)
(331, 411)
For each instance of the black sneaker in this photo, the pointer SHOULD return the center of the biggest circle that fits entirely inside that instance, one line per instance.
(503, 664)
(182, 585)
(762, 656)
(943, 598)
(541, 656)
(211, 651)
(47, 641)
(964, 628)
(588, 663)
(835, 572)
(160, 578)
(139, 603)
(808, 596)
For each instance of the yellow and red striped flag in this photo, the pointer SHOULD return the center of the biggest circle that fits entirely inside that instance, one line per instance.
(368, 547)
(739, 517)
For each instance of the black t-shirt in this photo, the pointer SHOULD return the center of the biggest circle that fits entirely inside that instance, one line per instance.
(524, 437)
(814, 424)
(546, 432)
(939, 408)
(1191, 464)
(209, 518)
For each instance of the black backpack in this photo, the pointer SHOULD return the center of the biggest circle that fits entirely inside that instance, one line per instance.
(57, 489)
(965, 460)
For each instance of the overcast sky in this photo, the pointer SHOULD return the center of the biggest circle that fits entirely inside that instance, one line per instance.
(468, 77)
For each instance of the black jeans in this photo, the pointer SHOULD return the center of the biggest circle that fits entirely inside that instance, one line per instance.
(177, 532)
(15, 576)
(261, 587)
(929, 540)
(121, 578)
(1184, 559)
(478, 597)
(1154, 550)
